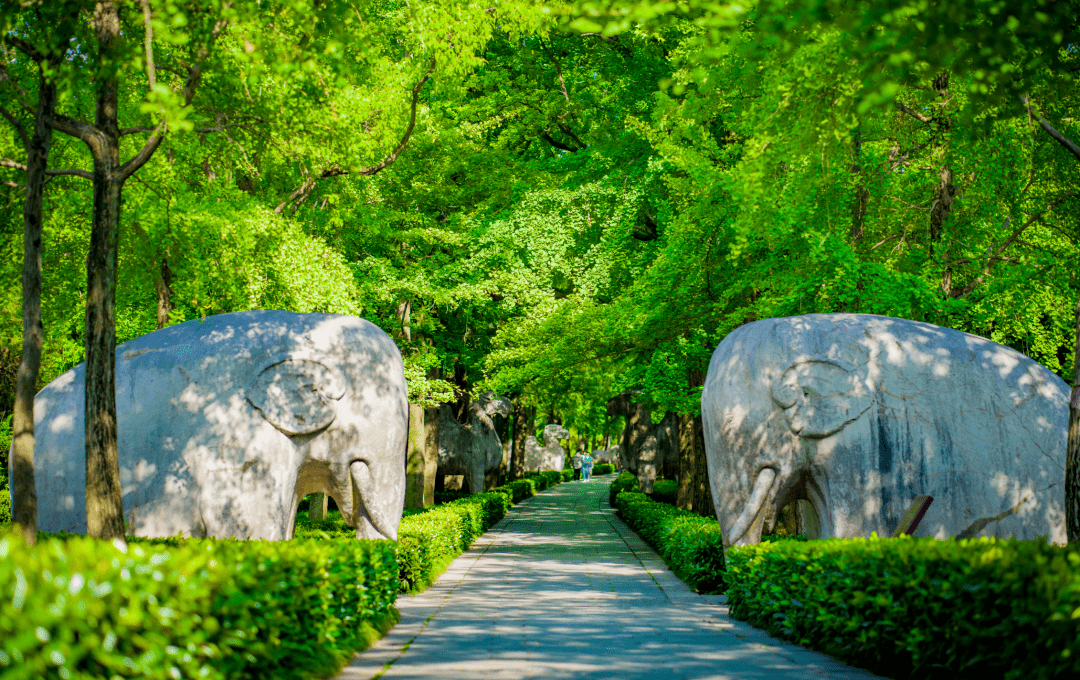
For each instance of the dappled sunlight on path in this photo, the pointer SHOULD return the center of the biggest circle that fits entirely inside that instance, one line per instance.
(560, 588)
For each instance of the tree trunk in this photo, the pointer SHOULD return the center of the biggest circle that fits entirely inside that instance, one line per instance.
(684, 498)
(523, 427)
(861, 200)
(104, 502)
(431, 452)
(318, 504)
(416, 472)
(1072, 455)
(24, 511)
(703, 499)
(163, 285)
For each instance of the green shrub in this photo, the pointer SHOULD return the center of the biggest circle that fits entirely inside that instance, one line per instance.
(918, 607)
(624, 482)
(82, 608)
(566, 474)
(5, 506)
(690, 544)
(520, 489)
(428, 541)
(546, 479)
(603, 469)
(665, 491)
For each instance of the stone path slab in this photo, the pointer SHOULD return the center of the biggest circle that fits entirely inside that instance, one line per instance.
(561, 588)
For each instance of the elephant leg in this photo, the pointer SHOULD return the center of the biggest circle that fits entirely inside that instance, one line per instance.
(475, 479)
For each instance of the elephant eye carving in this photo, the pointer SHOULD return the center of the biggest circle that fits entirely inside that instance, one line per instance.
(296, 395)
(819, 398)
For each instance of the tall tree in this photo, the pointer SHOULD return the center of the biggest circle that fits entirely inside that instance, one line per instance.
(110, 54)
(53, 48)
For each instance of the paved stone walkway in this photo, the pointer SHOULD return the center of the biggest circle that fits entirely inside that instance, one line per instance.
(561, 588)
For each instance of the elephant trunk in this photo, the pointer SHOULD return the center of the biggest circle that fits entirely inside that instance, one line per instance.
(753, 507)
(372, 517)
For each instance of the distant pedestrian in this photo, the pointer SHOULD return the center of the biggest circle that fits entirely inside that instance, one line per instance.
(586, 467)
(576, 462)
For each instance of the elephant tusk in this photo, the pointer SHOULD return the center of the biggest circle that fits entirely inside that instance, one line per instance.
(368, 520)
(753, 507)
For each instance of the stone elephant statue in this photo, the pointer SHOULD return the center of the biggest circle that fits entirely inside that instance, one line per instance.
(550, 456)
(224, 425)
(647, 450)
(473, 449)
(609, 456)
(854, 416)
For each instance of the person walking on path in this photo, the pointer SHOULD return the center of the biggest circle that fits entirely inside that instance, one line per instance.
(576, 462)
(586, 467)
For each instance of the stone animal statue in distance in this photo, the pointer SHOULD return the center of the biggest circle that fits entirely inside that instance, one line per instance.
(550, 456)
(647, 450)
(473, 449)
(853, 416)
(225, 424)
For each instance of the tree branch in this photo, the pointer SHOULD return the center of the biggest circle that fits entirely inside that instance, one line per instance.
(15, 165)
(151, 76)
(372, 169)
(912, 112)
(76, 128)
(304, 190)
(558, 145)
(25, 47)
(1062, 139)
(19, 129)
(190, 85)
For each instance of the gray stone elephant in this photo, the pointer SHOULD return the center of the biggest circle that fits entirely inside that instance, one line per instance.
(854, 416)
(648, 450)
(473, 449)
(609, 456)
(550, 456)
(225, 424)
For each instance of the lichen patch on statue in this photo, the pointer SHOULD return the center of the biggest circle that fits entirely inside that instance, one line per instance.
(225, 424)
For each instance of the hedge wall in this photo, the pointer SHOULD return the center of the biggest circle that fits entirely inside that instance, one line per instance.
(922, 608)
(901, 607)
(690, 544)
(81, 608)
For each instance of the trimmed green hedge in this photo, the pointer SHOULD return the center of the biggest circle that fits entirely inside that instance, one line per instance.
(691, 545)
(429, 540)
(81, 608)
(624, 482)
(603, 469)
(549, 478)
(665, 491)
(922, 608)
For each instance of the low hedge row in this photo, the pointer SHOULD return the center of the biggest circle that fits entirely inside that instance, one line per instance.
(624, 482)
(665, 491)
(549, 478)
(902, 607)
(80, 608)
(603, 469)
(430, 539)
(922, 608)
(691, 545)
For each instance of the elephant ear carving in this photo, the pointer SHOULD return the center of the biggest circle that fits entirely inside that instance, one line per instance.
(819, 397)
(297, 395)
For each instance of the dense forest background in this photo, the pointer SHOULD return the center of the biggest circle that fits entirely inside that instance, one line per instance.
(561, 201)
